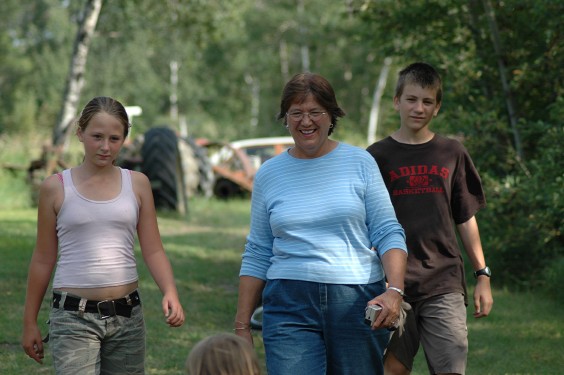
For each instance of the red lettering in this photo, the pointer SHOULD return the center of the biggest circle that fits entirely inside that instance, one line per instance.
(444, 173)
(419, 170)
(404, 171)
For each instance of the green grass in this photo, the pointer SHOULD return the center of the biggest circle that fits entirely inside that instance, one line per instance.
(523, 335)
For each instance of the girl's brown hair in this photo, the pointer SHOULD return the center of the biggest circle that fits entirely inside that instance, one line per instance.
(107, 105)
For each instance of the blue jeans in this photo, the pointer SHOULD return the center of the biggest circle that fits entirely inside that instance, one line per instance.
(89, 345)
(316, 329)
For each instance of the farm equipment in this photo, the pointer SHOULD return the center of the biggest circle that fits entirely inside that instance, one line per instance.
(178, 167)
(235, 163)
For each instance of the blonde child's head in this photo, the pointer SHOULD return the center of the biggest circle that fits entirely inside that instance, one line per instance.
(222, 354)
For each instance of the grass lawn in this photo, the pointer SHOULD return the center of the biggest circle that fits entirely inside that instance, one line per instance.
(524, 334)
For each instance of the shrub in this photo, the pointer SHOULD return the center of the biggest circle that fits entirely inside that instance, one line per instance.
(524, 221)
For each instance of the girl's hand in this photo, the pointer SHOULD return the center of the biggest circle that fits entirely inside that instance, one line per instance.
(173, 311)
(32, 343)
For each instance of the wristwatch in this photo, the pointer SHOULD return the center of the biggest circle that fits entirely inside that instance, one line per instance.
(484, 271)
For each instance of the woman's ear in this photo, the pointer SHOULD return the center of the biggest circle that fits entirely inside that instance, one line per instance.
(79, 134)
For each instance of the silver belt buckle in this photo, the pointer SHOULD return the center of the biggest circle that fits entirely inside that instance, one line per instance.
(112, 309)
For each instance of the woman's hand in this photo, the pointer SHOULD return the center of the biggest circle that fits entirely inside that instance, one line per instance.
(390, 301)
(244, 331)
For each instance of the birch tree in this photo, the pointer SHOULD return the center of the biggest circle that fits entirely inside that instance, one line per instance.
(75, 80)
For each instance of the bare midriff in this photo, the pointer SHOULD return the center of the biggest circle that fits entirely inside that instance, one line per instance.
(103, 293)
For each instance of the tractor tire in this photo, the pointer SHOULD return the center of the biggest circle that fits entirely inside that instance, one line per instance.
(163, 166)
(190, 169)
(205, 169)
(225, 189)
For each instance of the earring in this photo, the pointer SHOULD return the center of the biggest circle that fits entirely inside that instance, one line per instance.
(331, 126)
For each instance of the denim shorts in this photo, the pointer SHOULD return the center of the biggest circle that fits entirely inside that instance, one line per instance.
(89, 345)
(439, 323)
(316, 329)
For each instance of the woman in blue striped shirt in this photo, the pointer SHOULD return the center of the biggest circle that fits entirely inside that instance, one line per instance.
(324, 243)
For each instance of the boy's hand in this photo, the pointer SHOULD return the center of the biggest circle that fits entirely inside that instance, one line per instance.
(483, 300)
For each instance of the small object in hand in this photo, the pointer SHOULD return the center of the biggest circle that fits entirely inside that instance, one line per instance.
(371, 313)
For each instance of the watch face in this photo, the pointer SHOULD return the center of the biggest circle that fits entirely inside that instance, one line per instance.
(484, 271)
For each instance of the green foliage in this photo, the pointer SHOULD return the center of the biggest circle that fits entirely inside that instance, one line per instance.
(522, 234)
(525, 221)
(553, 278)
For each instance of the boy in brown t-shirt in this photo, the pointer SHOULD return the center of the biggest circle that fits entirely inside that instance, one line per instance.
(434, 188)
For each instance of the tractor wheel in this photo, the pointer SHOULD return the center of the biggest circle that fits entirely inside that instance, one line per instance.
(205, 168)
(189, 165)
(226, 189)
(163, 166)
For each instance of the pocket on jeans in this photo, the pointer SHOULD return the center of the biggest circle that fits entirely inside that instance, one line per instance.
(71, 345)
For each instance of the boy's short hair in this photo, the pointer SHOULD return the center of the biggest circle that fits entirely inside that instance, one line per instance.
(421, 74)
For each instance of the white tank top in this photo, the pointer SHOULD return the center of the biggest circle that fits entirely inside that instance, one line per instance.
(96, 238)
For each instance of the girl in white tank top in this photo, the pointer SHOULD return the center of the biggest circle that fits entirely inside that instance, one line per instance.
(88, 217)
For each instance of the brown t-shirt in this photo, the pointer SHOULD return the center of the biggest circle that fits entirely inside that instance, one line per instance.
(433, 187)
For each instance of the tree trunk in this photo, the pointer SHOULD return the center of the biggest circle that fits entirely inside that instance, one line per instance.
(254, 85)
(75, 79)
(496, 40)
(284, 60)
(377, 99)
(304, 49)
(173, 97)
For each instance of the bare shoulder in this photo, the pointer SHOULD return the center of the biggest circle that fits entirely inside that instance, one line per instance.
(139, 179)
(51, 192)
(52, 185)
(141, 186)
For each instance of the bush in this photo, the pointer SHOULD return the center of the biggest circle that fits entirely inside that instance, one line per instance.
(524, 220)
(553, 279)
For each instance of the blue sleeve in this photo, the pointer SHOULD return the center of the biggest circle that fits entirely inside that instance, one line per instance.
(385, 231)
(258, 248)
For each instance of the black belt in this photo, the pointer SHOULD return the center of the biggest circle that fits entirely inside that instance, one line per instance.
(106, 309)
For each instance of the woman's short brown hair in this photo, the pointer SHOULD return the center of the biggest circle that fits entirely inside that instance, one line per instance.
(303, 84)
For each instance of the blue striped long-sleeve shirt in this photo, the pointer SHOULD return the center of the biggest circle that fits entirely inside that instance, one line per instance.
(318, 219)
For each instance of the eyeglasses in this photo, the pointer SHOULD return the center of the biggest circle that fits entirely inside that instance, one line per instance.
(298, 116)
